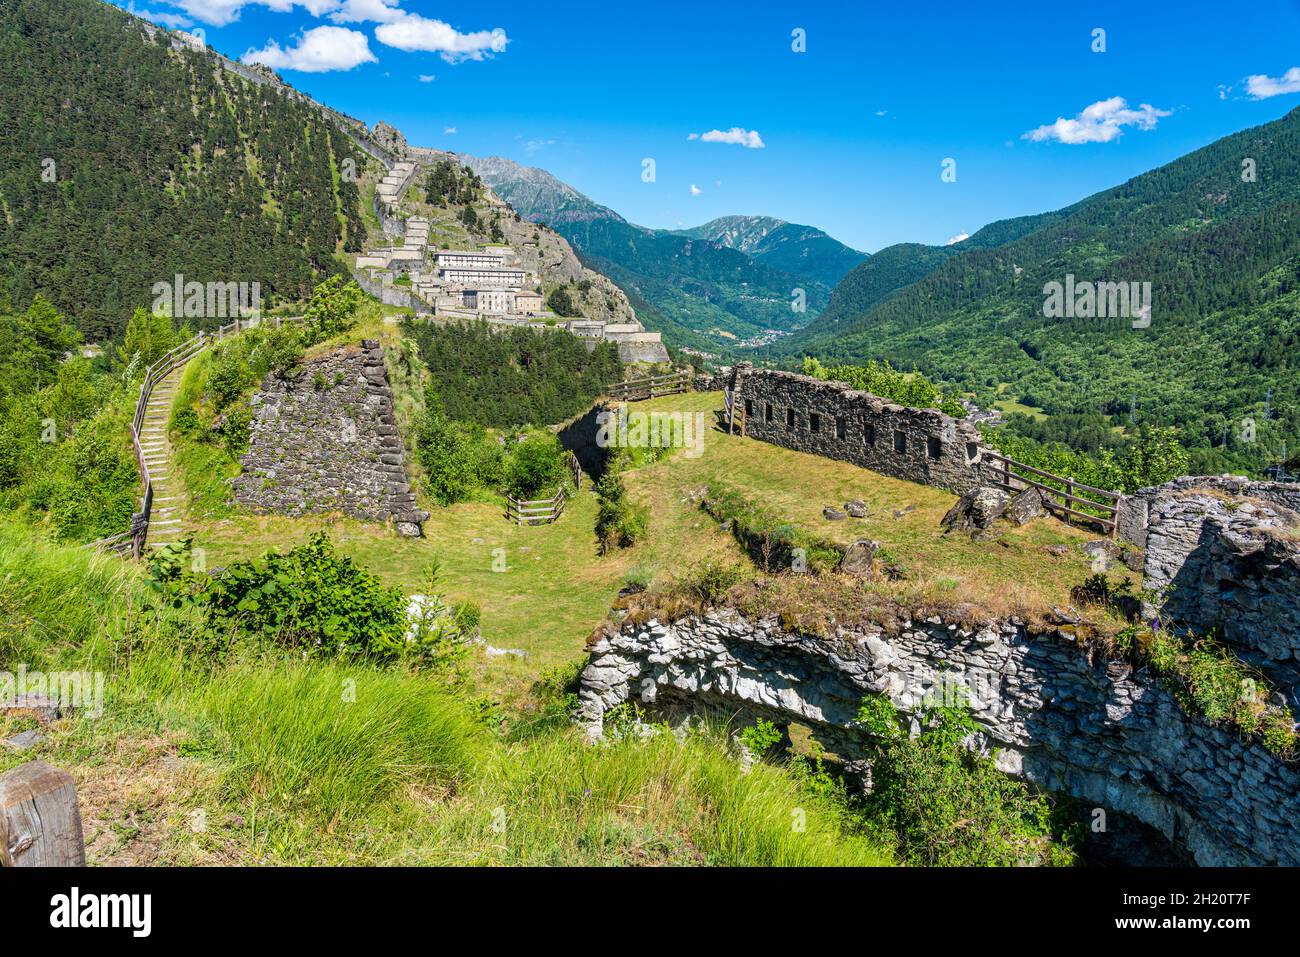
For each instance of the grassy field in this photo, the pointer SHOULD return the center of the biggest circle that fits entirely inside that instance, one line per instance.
(543, 589)
(261, 760)
(1009, 405)
(264, 759)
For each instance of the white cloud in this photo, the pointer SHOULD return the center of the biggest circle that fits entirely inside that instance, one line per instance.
(449, 131)
(364, 11)
(1101, 122)
(695, 190)
(413, 32)
(1261, 87)
(319, 50)
(427, 78)
(956, 239)
(881, 112)
(175, 21)
(735, 136)
(222, 12)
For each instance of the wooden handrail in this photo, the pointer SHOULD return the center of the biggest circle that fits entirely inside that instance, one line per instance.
(996, 456)
(155, 373)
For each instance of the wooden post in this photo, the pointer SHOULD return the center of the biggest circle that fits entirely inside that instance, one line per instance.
(1069, 491)
(40, 824)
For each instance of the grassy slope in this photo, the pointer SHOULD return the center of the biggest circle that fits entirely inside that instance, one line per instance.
(258, 761)
(557, 589)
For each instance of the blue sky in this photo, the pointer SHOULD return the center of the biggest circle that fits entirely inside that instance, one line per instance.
(853, 131)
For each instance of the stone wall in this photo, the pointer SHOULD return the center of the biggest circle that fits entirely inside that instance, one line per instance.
(1227, 554)
(1096, 731)
(837, 421)
(1135, 509)
(324, 439)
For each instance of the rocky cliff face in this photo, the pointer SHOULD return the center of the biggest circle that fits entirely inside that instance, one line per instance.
(1091, 729)
(325, 439)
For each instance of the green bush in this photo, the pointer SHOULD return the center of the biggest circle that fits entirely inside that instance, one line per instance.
(332, 308)
(536, 465)
(949, 806)
(619, 522)
(709, 581)
(880, 378)
(310, 599)
(760, 737)
(459, 458)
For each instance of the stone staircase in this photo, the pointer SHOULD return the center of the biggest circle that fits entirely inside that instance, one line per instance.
(166, 523)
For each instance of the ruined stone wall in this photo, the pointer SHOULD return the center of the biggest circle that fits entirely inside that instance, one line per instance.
(835, 420)
(324, 439)
(1096, 731)
(1228, 560)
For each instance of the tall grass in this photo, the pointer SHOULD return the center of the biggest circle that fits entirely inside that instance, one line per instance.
(653, 801)
(333, 763)
(321, 739)
(60, 601)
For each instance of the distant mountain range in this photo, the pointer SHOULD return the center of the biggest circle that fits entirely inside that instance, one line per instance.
(727, 280)
(799, 250)
(1217, 235)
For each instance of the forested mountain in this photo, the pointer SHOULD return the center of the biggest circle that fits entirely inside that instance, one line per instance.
(1216, 233)
(700, 285)
(898, 266)
(124, 161)
(800, 250)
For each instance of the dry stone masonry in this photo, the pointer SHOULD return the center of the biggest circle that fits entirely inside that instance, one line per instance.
(837, 421)
(324, 439)
(1095, 730)
(1225, 551)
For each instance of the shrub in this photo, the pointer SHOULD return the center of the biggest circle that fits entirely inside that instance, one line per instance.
(760, 737)
(332, 308)
(309, 598)
(950, 806)
(459, 458)
(619, 522)
(536, 464)
(710, 581)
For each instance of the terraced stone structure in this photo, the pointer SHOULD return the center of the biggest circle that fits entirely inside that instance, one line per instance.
(324, 439)
(1060, 716)
(833, 419)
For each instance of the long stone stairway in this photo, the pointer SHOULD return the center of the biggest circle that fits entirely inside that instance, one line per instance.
(166, 524)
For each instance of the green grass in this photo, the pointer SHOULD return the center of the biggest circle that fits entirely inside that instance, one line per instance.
(1011, 405)
(263, 760)
(556, 587)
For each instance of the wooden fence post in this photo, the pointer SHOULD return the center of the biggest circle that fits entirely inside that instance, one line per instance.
(40, 823)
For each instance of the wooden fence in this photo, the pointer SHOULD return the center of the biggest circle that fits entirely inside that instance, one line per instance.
(634, 390)
(543, 511)
(575, 470)
(1102, 505)
(132, 541)
(536, 511)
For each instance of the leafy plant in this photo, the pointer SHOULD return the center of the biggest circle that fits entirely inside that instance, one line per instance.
(310, 599)
(760, 737)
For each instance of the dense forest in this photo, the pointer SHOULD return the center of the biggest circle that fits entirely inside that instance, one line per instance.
(515, 377)
(1218, 239)
(124, 162)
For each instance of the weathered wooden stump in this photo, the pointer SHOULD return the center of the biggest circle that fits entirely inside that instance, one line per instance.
(40, 823)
